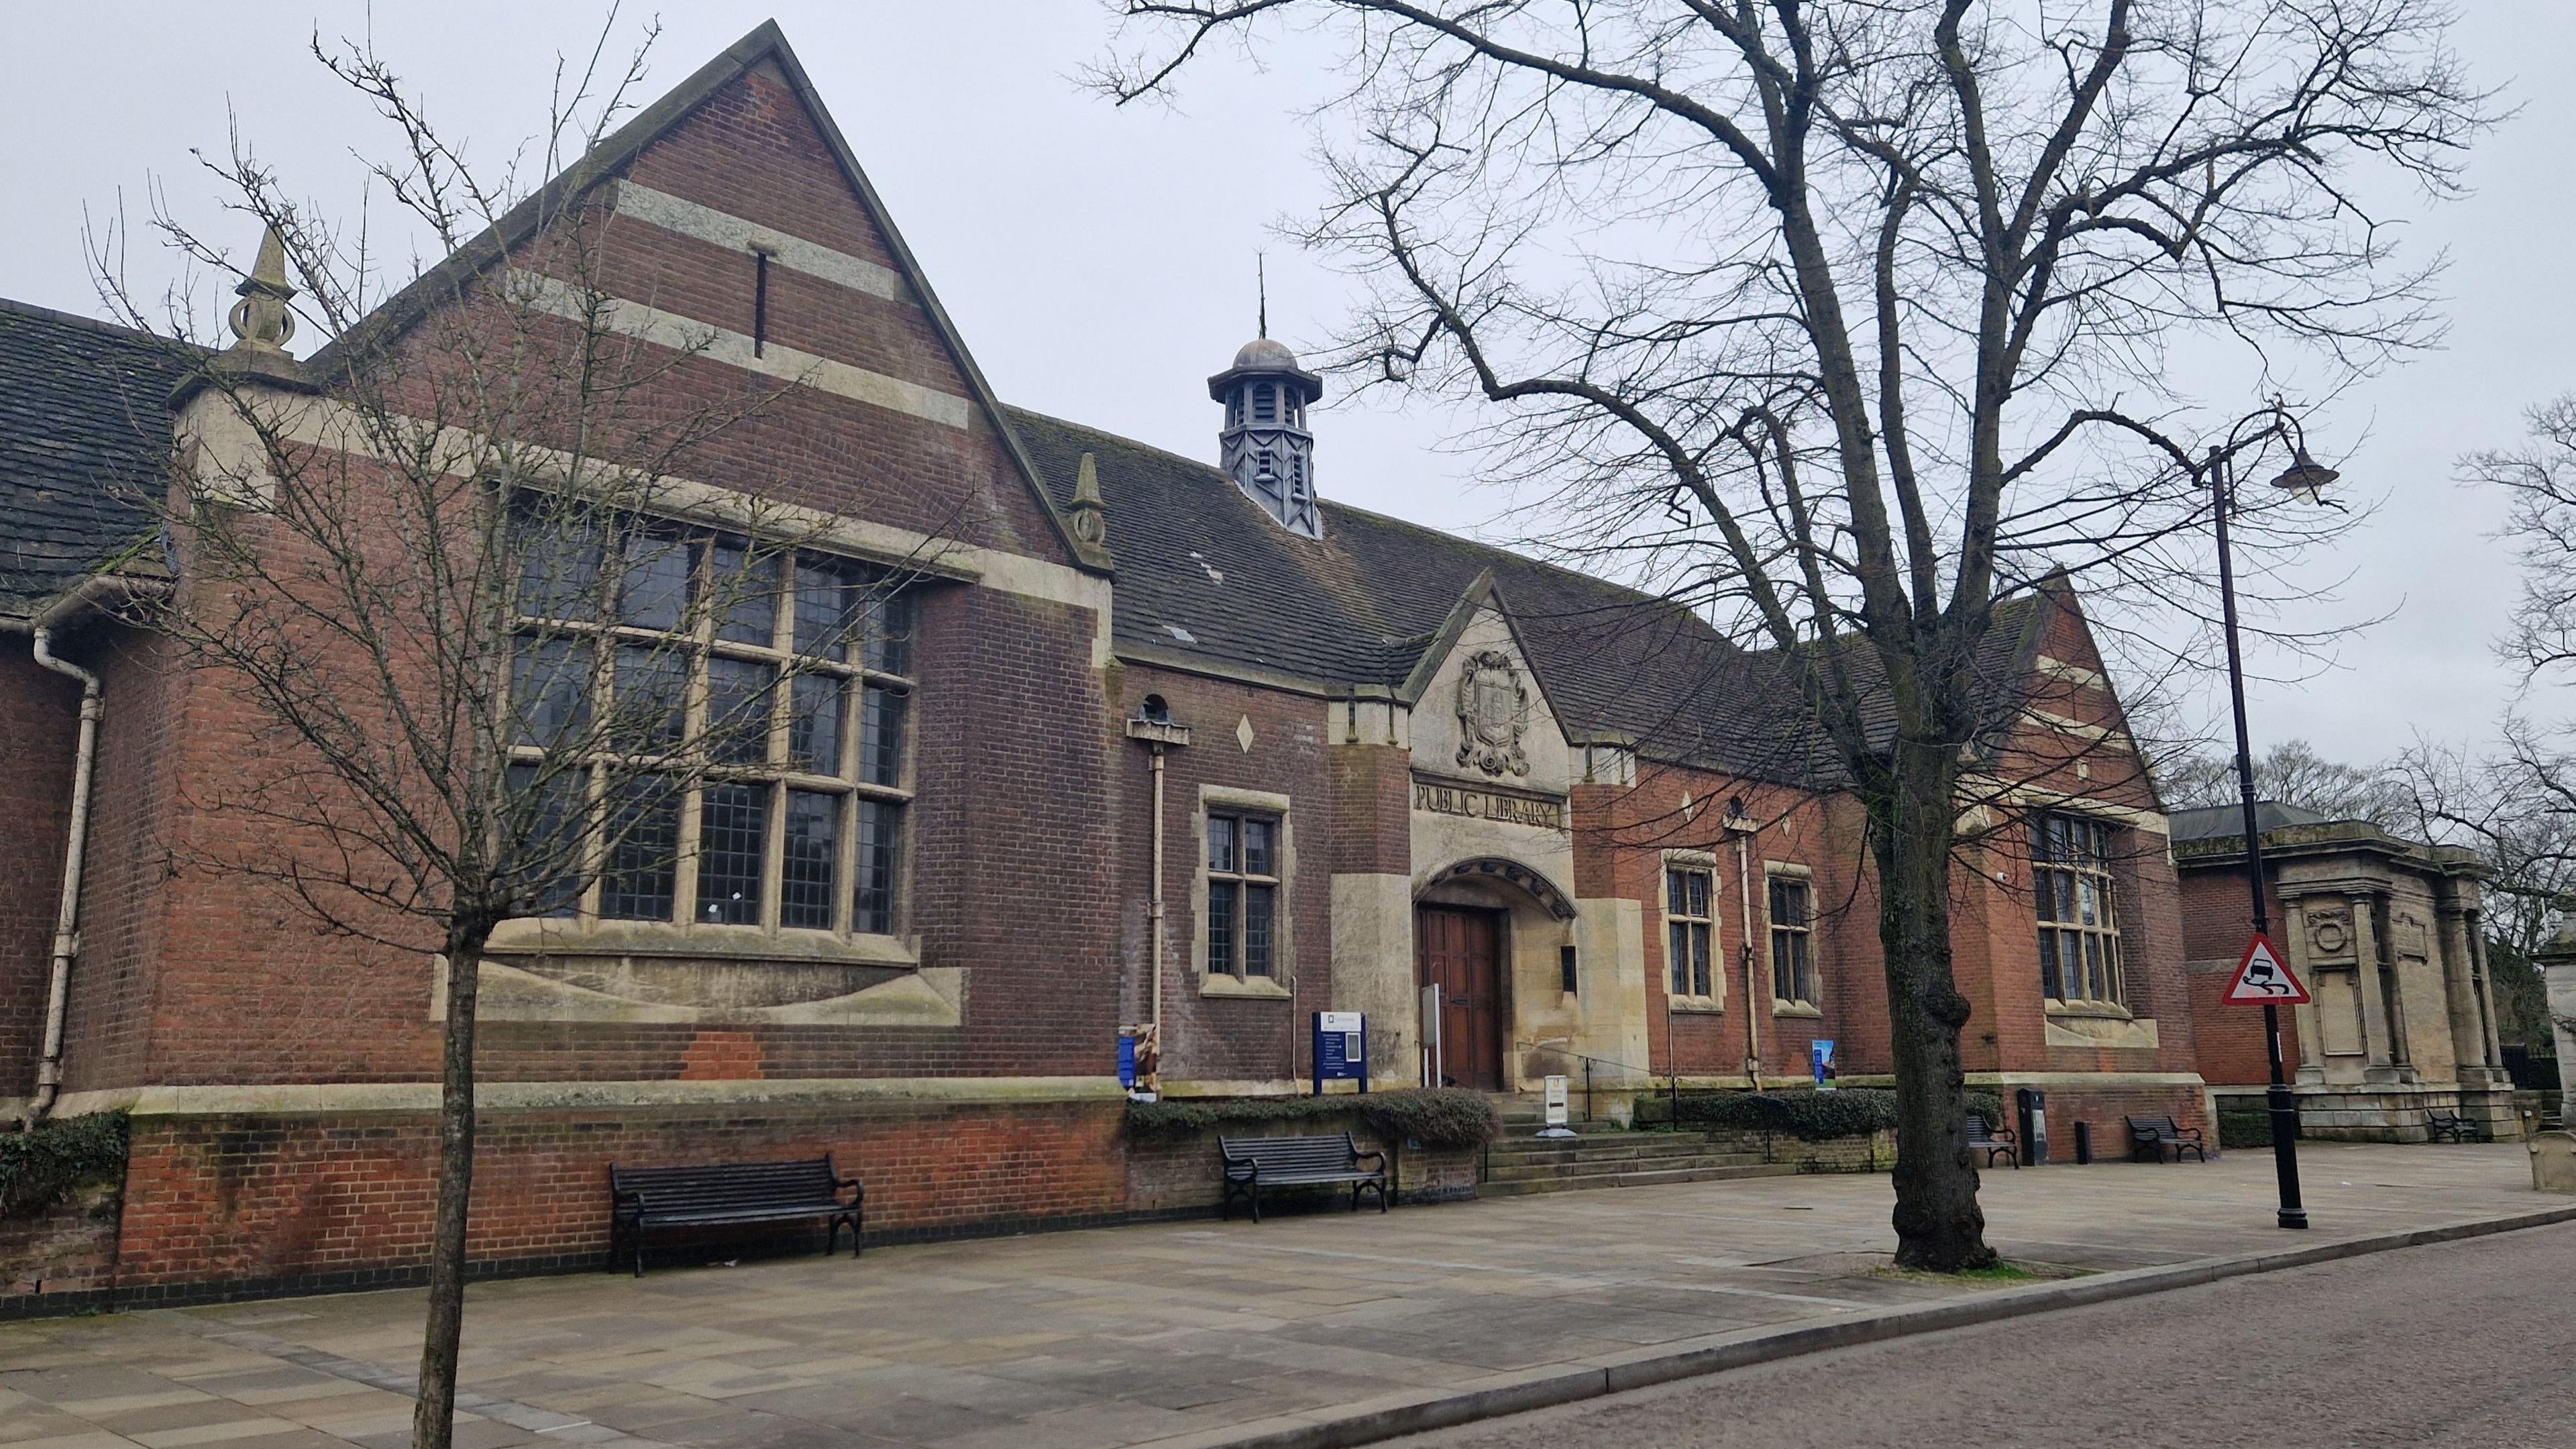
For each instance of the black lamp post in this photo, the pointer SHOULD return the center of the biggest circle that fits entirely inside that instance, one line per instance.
(2306, 480)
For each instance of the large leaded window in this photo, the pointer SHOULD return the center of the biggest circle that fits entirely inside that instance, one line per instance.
(2079, 923)
(1690, 930)
(739, 717)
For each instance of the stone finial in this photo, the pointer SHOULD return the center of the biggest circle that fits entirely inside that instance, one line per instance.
(262, 322)
(1088, 515)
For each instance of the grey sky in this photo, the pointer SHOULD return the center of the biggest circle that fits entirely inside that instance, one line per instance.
(1099, 261)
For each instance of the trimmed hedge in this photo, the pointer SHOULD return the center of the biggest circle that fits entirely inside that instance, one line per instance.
(1446, 1117)
(1812, 1115)
(40, 1168)
(2244, 1129)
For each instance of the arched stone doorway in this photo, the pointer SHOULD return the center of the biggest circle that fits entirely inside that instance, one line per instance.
(1474, 923)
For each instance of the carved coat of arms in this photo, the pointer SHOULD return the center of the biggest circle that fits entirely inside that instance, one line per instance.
(1493, 714)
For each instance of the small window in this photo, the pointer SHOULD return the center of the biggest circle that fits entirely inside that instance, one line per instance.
(2079, 923)
(1690, 926)
(1242, 895)
(1793, 965)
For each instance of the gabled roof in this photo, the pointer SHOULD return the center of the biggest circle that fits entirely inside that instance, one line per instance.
(765, 45)
(84, 440)
(1207, 580)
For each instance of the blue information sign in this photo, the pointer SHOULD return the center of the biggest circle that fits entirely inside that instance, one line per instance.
(1341, 1048)
(1820, 1055)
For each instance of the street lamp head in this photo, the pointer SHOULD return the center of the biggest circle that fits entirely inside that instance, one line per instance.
(2306, 479)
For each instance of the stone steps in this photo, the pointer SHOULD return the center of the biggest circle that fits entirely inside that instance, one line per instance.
(1526, 1186)
(1601, 1154)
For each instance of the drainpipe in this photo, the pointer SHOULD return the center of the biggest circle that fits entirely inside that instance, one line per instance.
(1154, 915)
(49, 1066)
(1752, 1000)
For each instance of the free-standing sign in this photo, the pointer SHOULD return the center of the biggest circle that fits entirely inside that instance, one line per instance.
(1341, 1048)
(1820, 1056)
(1555, 1101)
(2264, 979)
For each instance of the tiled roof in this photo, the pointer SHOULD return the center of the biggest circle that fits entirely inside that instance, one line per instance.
(84, 432)
(1204, 575)
(2216, 822)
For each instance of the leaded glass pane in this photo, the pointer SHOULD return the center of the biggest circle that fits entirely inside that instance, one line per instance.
(739, 696)
(654, 594)
(1220, 844)
(2050, 982)
(652, 698)
(1258, 904)
(559, 566)
(643, 851)
(1256, 848)
(872, 897)
(813, 846)
(1677, 954)
(889, 632)
(1700, 985)
(1676, 897)
(549, 691)
(881, 737)
(814, 723)
(1698, 893)
(733, 843)
(824, 616)
(1221, 903)
(745, 594)
(547, 815)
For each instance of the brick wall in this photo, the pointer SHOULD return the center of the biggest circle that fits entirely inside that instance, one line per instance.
(40, 718)
(253, 1200)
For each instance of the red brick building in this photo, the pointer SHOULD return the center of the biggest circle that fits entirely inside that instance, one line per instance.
(1386, 759)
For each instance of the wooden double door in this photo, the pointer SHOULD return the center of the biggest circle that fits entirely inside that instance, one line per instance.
(1460, 951)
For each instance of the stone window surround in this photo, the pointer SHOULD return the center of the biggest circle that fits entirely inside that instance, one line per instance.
(1281, 984)
(1701, 860)
(1792, 871)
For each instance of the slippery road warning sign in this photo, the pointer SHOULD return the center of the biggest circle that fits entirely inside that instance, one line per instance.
(2263, 978)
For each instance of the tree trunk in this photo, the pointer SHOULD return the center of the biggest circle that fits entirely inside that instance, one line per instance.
(433, 1417)
(1912, 819)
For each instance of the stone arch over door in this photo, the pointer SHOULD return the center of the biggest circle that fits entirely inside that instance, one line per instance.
(1487, 932)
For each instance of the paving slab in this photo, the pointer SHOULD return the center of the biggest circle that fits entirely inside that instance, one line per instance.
(1170, 1334)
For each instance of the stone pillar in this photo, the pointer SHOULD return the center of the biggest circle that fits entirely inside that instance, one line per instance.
(2464, 989)
(2376, 1020)
(2557, 962)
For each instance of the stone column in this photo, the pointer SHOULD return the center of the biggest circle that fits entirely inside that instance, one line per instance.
(2375, 1018)
(2557, 962)
(2463, 988)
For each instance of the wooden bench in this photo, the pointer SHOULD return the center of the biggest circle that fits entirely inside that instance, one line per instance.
(2451, 1126)
(1992, 1140)
(2149, 1137)
(721, 1194)
(1253, 1163)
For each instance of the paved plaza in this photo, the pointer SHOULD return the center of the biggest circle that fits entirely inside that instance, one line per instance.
(1192, 1332)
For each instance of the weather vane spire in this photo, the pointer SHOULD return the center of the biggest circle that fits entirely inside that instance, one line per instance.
(1261, 285)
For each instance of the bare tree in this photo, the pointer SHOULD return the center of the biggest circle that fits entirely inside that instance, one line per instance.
(1845, 318)
(2291, 773)
(454, 564)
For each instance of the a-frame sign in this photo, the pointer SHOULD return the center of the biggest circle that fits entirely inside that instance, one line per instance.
(2264, 979)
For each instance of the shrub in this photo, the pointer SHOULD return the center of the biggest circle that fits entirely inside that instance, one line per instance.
(2244, 1129)
(1444, 1118)
(40, 1168)
(1812, 1115)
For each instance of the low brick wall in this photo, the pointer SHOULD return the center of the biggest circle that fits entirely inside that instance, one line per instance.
(68, 1248)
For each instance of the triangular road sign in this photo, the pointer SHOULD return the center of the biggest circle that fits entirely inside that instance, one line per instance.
(2263, 978)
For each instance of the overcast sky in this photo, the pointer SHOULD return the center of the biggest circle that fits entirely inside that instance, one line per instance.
(1099, 261)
